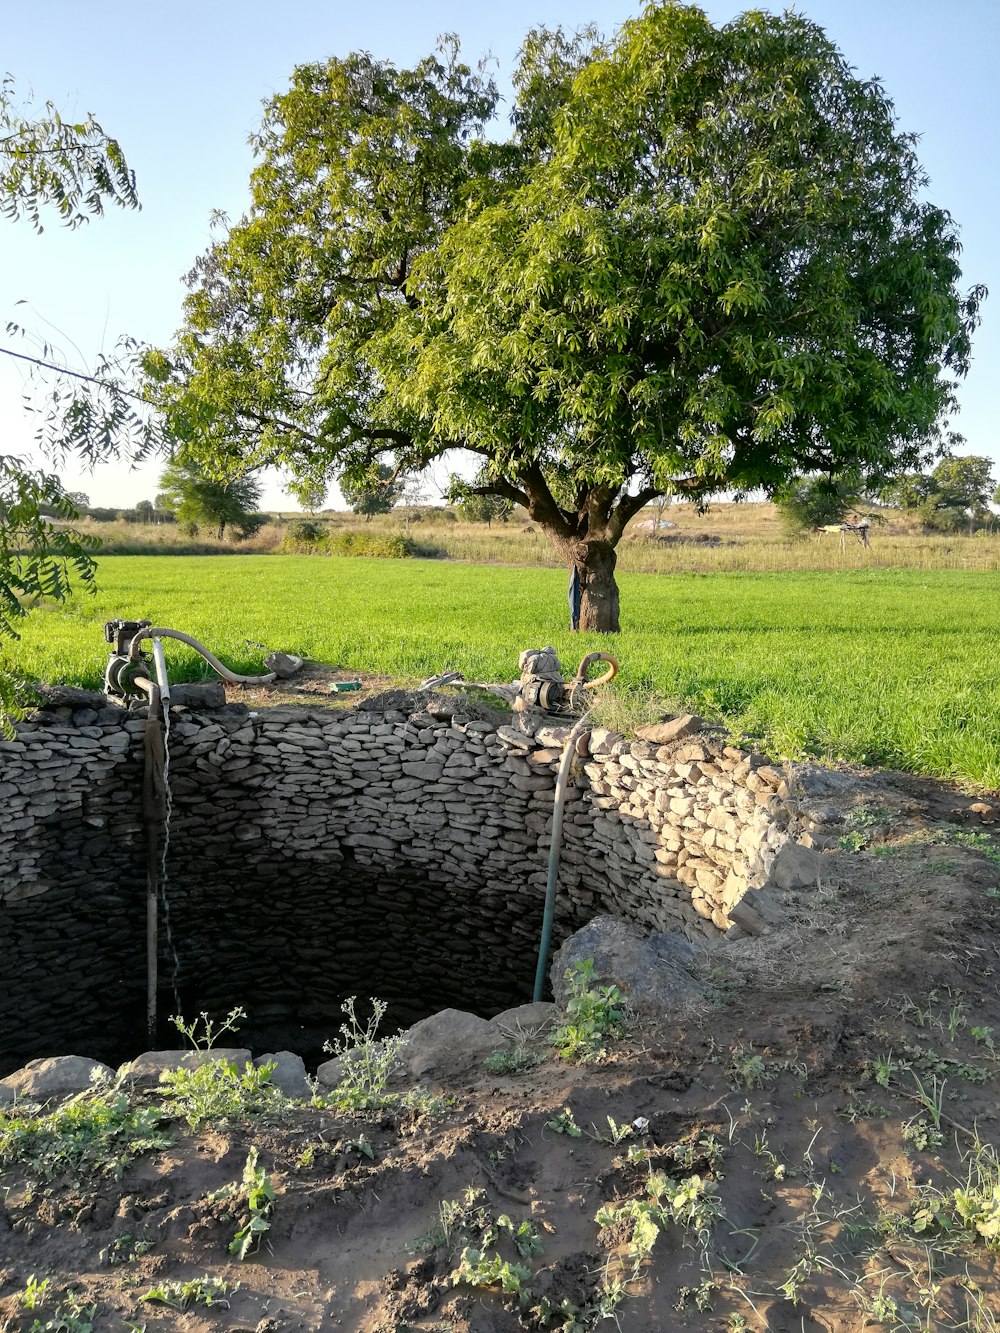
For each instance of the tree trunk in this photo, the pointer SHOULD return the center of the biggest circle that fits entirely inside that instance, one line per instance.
(595, 563)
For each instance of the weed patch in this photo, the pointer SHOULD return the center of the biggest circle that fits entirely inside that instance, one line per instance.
(595, 1014)
(98, 1133)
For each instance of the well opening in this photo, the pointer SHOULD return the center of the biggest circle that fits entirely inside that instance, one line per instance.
(315, 855)
(289, 948)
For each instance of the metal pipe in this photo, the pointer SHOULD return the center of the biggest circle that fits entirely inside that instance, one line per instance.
(153, 812)
(154, 632)
(562, 783)
(162, 680)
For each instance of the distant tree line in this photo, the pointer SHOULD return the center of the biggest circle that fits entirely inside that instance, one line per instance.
(953, 497)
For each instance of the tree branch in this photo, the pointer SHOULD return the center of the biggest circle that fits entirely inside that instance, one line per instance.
(504, 490)
(74, 374)
(542, 506)
(626, 508)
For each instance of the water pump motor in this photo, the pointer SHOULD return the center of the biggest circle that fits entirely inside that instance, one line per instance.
(120, 673)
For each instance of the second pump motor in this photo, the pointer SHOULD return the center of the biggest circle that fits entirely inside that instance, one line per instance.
(542, 686)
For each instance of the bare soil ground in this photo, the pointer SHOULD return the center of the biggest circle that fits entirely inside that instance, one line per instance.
(812, 1148)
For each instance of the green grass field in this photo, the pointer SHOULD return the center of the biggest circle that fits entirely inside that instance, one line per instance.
(890, 667)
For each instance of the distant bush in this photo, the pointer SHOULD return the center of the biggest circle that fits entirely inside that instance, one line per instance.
(302, 536)
(388, 545)
(945, 519)
(249, 525)
(814, 502)
(438, 515)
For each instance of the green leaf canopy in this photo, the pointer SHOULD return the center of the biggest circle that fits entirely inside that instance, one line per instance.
(704, 260)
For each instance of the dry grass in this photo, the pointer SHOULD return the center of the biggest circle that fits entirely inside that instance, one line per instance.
(728, 538)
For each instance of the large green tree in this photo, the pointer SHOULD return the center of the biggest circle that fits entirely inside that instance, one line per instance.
(196, 497)
(955, 493)
(703, 260)
(376, 492)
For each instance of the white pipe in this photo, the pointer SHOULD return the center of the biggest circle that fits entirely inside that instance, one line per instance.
(160, 662)
(154, 633)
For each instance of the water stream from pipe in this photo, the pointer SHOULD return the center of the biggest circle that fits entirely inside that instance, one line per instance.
(164, 895)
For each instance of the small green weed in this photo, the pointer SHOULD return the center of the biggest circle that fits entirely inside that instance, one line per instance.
(595, 1014)
(512, 1060)
(972, 1207)
(124, 1249)
(882, 1068)
(564, 1123)
(568, 1316)
(203, 1032)
(618, 1133)
(983, 1036)
(701, 1297)
(467, 1225)
(218, 1092)
(34, 1293)
(940, 866)
(747, 1068)
(922, 1135)
(869, 814)
(367, 1061)
(858, 823)
(207, 1291)
(255, 1195)
(691, 1204)
(71, 1316)
(854, 841)
(479, 1269)
(865, 1109)
(983, 843)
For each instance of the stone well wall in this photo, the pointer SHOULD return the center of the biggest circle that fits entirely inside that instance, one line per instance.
(315, 854)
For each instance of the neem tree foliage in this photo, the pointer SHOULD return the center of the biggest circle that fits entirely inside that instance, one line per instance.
(72, 169)
(702, 260)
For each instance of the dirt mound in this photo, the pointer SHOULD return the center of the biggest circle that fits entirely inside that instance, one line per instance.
(811, 1149)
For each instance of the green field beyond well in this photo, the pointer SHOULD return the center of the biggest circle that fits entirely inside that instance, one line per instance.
(888, 667)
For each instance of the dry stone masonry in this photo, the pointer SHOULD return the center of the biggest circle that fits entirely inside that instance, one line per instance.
(398, 849)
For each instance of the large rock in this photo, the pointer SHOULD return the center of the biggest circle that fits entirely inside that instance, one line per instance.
(755, 913)
(199, 694)
(653, 971)
(795, 867)
(288, 1074)
(449, 1042)
(147, 1068)
(526, 1020)
(53, 1079)
(329, 1074)
(662, 733)
(69, 696)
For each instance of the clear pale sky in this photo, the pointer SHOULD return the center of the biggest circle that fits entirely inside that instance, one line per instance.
(181, 87)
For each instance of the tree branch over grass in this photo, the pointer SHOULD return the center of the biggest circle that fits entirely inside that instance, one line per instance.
(73, 168)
